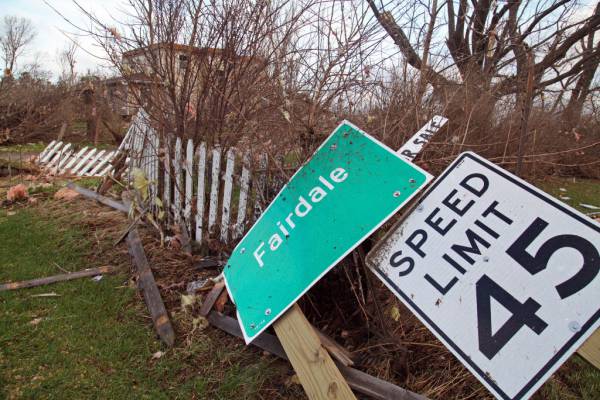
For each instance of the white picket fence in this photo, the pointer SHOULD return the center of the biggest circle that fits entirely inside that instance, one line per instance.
(59, 158)
(206, 190)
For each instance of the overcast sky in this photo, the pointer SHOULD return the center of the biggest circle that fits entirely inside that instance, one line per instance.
(50, 27)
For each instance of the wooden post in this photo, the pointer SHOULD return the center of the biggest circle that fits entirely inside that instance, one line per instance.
(590, 350)
(151, 294)
(317, 372)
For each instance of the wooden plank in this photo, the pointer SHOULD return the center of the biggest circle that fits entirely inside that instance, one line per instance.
(75, 158)
(91, 163)
(58, 156)
(260, 186)
(227, 191)
(244, 186)
(51, 152)
(590, 350)
(167, 180)
(107, 170)
(57, 278)
(147, 284)
(211, 297)
(46, 149)
(214, 188)
(200, 194)
(335, 349)
(360, 381)
(83, 160)
(318, 374)
(178, 181)
(189, 184)
(90, 194)
(154, 170)
(108, 158)
(60, 166)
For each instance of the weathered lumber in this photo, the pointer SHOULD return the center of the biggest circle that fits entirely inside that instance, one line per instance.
(211, 298)
(57, 278)
(590, 350)
(358, 380)
(98, 197)
(318, 374)
(335, 349)
(147, 284)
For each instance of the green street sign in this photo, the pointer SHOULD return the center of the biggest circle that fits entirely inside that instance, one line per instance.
(350, 186)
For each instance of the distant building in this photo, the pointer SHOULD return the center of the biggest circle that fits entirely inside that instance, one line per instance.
(125, 92)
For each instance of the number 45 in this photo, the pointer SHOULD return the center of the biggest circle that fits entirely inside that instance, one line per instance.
(523, 314)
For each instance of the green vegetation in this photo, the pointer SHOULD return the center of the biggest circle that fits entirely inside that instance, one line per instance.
(24, 148)
(94, 339)
(576, 191)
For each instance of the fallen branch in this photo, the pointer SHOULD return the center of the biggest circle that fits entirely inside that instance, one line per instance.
(90, 194)
(57, 278)
(147, 284)
(358, 380)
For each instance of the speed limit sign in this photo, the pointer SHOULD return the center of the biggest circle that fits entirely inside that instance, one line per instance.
(504, 275)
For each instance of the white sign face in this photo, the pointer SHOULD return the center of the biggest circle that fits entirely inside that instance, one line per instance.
(503, 274)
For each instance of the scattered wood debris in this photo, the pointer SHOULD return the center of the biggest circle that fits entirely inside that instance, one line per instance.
(58, 278)
(358, 380)
(98, 197)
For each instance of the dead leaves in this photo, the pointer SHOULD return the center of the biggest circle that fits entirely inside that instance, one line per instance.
(16, 193)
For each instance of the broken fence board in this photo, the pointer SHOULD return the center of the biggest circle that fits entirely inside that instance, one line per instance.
(149, 289)
(227, 191)
(51, 152)
(83, 160)
(75, 158)
(108, 158)
(177, 177)
(57, 278)
(46, 149)
(244, 185)
(91, 163)
(214, 188)
(200, 195)
(358, 380)
(58, 156)
(189, 184)
(99, 198)
(167, 181)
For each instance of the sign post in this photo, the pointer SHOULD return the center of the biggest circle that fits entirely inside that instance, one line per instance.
(504, 275)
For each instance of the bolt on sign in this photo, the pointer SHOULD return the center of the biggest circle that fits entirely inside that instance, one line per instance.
(351, 185)
(503, 274)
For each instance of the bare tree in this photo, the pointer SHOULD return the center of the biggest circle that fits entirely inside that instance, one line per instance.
(67, 61)
(15, 35)
(491, 49)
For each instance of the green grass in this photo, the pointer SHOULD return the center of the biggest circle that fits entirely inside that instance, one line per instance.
(25, 148)
(576, 191)
(95, 341)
